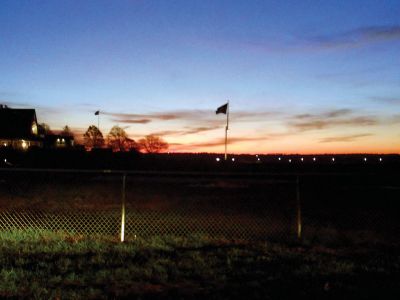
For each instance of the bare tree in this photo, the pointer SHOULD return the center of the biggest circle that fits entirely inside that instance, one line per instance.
(131, 145)
(117, 139)
(67, 131)
(44, 129)
(153, 144)
(93, 138)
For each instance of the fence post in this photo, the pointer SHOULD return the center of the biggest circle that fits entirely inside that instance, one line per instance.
(298, 209)
(123, 208)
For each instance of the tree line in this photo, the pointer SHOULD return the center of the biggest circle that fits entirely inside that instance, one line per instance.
(117, 139)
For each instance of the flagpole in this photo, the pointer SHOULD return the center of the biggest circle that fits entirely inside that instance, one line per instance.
(226, 132)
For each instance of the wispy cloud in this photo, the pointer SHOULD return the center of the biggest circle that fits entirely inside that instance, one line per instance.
(329, 119)
(394, 119)
(386, 100)
(163, 116)
(189, 116)
(357, 37)
(221, 142)
(187, 130)
(344, 138)
(132, 121)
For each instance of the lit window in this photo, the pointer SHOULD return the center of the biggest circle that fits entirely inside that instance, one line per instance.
(34, 128)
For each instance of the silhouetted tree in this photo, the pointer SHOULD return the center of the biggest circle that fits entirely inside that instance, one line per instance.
(131, 145)
(117, 139)
(44, 128)
(67, 131)
(93, 138)
(153, 144)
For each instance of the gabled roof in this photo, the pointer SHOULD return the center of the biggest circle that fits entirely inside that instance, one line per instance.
(16, 123)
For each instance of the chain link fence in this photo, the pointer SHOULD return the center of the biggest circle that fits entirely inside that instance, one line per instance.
(257, 206)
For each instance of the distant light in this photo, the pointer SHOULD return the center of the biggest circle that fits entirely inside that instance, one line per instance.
(58, 140)
(365, 159)
(256, 155)
(5, 144)
(63, 140)
(333, 159)
(233, 159)
(217, 159)
(290, 160)
(314, 159)
(24, 144)
(258, 159)
(5, 160)
(302, 159)
(279, 158)
(380, 158)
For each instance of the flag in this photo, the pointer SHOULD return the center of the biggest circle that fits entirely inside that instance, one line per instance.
(97, 113)
(222, 109)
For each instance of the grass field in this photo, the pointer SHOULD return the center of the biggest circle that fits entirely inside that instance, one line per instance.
(48, 265)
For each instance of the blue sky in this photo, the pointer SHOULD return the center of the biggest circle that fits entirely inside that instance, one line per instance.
(301, 76)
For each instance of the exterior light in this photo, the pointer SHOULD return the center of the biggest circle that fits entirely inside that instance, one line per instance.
(365, 159)
(302, 159)
(63, 140)
(5, 144)
(233, 159)
(24, 144)
(333, 159)
(34, 128)
(380, 158)
(314, 159)
(258, 159)
(279, 158)
(290, 160)
(217, 159)
(5, 160)
(58, 140)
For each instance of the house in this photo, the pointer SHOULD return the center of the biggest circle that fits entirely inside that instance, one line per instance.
(19, 128)
(56, 141)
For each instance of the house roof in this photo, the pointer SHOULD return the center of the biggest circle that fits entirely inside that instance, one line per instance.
(16, 123)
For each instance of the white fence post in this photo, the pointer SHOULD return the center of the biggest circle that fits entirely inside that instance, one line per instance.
(123, 208)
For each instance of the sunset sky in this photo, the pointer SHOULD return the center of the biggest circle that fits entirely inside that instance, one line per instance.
(301, 76)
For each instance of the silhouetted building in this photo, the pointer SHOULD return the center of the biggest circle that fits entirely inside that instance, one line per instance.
(19, 128)
(57, 141)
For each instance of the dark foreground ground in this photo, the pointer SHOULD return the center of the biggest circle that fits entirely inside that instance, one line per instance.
(45, 265)
(349, 247)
